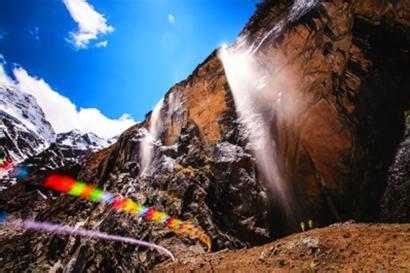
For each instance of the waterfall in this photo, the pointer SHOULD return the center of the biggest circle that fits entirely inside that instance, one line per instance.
(261, 97)
(255, 97)
(150, 138)
(298, 9)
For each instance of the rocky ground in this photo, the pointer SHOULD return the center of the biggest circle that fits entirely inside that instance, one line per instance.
(344, 247)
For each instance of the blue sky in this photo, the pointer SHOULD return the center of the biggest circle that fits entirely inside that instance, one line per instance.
(142, 47)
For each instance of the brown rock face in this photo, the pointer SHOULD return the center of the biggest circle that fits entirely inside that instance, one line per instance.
(202, 91)
(342, 69)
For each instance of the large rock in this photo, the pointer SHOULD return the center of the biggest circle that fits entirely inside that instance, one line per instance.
(395, 203)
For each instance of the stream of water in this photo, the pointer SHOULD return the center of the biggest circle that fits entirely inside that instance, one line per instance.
(150, 138)
(259, 95)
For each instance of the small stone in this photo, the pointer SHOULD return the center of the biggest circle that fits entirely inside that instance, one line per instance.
(314, 264)
(280, 263)
(262, 256)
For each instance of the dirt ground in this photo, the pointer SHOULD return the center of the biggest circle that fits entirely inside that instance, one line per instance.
(341, 247)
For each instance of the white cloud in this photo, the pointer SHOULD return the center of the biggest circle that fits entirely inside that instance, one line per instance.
(35, 33)
(4, 78)
(171, 19)
(90, 23)
(2, 34)
(63, 114)
(101, 44)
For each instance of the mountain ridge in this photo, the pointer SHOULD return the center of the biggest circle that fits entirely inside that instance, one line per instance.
(26, 136)
(23, 123)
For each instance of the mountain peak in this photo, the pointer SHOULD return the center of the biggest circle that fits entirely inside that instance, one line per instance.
(25, 130)
(83, 141)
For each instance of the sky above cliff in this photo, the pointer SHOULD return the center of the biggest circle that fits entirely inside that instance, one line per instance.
(110, 61)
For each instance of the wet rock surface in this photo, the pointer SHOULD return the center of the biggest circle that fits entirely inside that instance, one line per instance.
(350, 69)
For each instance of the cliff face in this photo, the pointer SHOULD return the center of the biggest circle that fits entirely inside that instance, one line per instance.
(395, 203)
(337, 78)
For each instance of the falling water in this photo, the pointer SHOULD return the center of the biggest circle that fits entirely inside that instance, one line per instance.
(147, 143)
(298, 9)
(258, 94)
(176, 107)
(253, 93)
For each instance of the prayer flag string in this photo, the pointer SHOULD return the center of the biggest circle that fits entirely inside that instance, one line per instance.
(72, 187)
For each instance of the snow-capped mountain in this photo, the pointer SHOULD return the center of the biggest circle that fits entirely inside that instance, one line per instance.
(113, 139)
(83, 141)
(69, 149)
(24, 130)
(31, 142)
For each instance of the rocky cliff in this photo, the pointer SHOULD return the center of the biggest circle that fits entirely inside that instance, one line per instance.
(395, 203)
(334, 88)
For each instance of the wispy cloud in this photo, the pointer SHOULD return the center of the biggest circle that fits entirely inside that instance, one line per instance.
(91, 24)
(60, 111)
(101, 44)
(35, 33)
(171, 18)
(2, 34)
